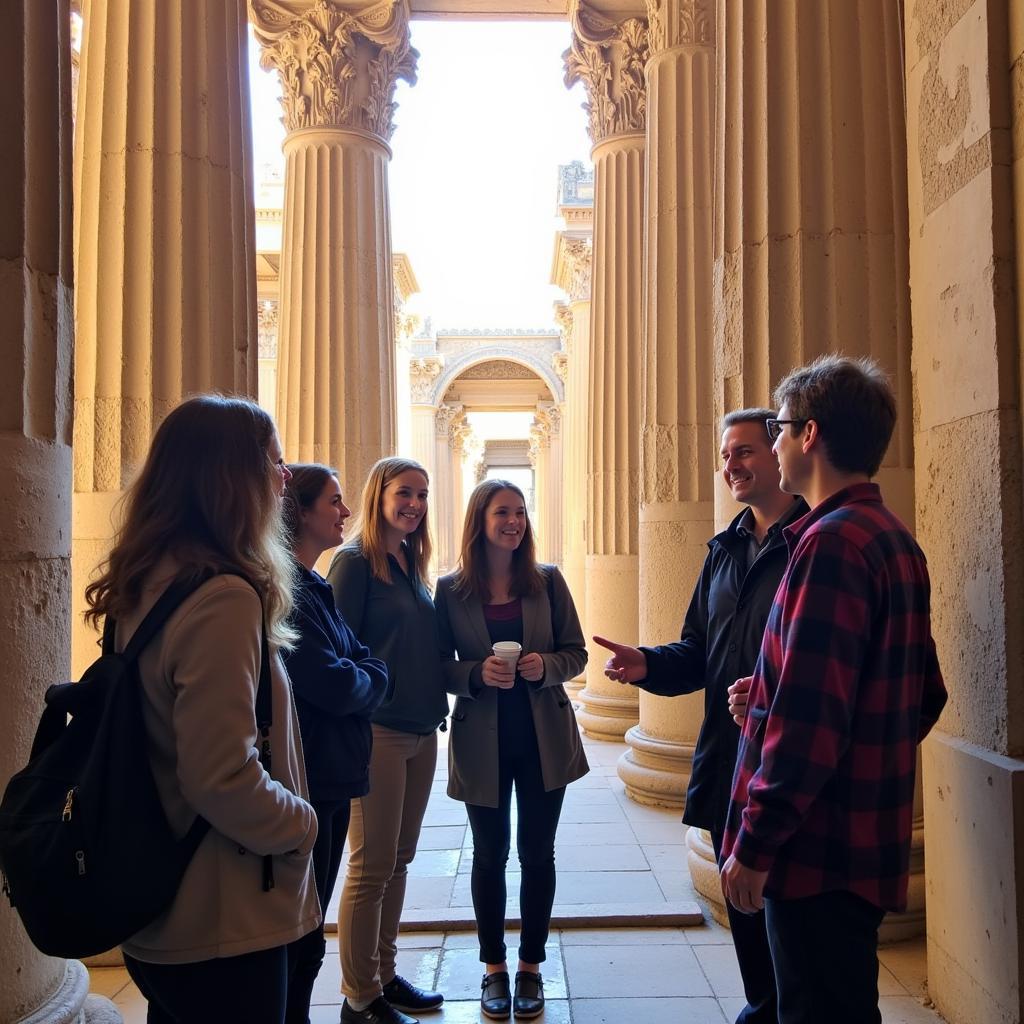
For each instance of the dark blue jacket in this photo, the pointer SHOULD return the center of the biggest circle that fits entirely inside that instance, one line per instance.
(720, 642)
(337, 685)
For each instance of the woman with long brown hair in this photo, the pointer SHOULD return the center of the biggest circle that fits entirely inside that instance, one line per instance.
(501, 595)
(205, 510)
(380, 586)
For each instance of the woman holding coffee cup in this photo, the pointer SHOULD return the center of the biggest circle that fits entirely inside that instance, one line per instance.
(514, 628)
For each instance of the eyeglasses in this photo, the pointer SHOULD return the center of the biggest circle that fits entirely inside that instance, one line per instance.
(774, 427)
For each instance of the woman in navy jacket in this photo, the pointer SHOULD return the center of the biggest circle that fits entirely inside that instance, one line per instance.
(337, 685)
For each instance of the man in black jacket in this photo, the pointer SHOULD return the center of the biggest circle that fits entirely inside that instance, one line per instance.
(720, 642)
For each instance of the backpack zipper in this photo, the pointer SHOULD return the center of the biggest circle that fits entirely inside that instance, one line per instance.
(66, 814)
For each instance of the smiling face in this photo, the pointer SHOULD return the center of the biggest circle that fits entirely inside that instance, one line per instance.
(749, 467)
(788, 449)
(505, 520)
(323, 523)
(404, 503)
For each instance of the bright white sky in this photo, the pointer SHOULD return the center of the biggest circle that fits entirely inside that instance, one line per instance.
(477, 147)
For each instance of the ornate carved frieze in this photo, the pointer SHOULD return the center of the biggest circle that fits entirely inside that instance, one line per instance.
(266, 329)
(681, 23)
(609, 58)
(497, 369)
(338, 60)
(423, 371)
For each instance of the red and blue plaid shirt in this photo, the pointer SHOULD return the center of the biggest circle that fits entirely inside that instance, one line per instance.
(846, 686)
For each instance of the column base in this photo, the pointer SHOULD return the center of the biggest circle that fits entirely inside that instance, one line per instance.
(574, 686)
(700, 859)
(606, 718)
(656, 771)
(72, 1004)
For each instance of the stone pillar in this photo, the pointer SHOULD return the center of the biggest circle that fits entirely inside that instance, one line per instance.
(609, 58)
(540, 460)
(965, 135)
(35, 442)
(266, 339)
(338, 61)
(811, 251)
(447, 533)
(555, 496)
(423, 372)
(677, 454)
(165, 303)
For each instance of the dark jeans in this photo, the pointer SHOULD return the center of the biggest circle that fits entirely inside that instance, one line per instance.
(825, 951)
(754, 955)
(538, 814)
(306, 955)
(247, 988)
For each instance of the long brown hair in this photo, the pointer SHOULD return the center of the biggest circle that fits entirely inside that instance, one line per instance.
(368, 532)
(208, 495)
(471, 575)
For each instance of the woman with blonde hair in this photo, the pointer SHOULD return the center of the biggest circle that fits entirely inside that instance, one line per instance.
(205, 513)
(500, 594)
(379, 582)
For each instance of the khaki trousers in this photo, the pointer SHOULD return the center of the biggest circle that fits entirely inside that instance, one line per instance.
(382, 839)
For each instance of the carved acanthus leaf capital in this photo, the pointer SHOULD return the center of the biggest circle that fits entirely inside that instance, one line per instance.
(681, 23)
(338, 60)
(422, 374)
(560, 362)
(266, 328)
(579, 254)
(609, 58)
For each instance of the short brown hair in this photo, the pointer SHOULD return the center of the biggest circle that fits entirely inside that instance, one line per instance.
(471, 577)
(753, 415)
(853, 404)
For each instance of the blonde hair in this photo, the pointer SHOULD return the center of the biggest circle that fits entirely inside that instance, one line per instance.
(471, 575)
(208, 495)
(369, 533)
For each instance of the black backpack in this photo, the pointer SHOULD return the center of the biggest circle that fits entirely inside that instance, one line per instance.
(86, 851)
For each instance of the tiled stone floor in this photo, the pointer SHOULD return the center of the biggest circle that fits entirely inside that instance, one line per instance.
(608, 848)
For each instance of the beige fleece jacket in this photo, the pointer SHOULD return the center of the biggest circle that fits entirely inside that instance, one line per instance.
(199, 680)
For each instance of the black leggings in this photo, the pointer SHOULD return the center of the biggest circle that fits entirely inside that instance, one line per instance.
(306, 955)
(538, 814)
(250, 987)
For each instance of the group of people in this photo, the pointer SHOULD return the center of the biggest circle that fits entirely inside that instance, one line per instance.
(361, 664)
(808, 631)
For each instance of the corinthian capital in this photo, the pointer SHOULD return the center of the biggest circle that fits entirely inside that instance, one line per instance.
(339, 60)
(609, 58)
(681, 23)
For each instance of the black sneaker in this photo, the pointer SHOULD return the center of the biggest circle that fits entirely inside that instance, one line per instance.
(495, 998)
(529, 997)
(400, 994)
(380, 1011)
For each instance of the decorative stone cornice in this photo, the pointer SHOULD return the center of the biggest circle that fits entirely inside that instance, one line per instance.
(609, 58)
(681, 23)
(423, 372)
(338, 60)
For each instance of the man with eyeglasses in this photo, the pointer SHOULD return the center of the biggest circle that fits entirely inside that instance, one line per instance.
(720, 639)
(846, 686)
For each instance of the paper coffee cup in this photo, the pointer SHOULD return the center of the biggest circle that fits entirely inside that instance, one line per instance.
(508, 650)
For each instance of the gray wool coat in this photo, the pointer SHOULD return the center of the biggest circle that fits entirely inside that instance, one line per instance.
(551, 628)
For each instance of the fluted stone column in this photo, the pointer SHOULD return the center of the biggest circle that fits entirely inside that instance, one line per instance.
(677, 454)
(35, 443)
(965, 135)
(811, 244)
(339, 61)
(447, 533)
(609, 57)
(165, 303)
(546, 459)
(574, 278)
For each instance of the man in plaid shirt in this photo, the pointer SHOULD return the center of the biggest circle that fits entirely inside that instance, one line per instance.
(846, 685)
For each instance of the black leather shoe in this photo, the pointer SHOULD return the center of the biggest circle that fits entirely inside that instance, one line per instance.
(380, 1011)
(529, 998)
(404, 996)
(495, 998)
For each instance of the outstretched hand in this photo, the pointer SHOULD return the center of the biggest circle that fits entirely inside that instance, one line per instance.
(626, 665)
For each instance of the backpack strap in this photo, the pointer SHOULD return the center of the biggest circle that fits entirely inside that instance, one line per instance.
(155, 620)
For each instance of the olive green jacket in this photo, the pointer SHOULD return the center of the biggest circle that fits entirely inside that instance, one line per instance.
(551, 628)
